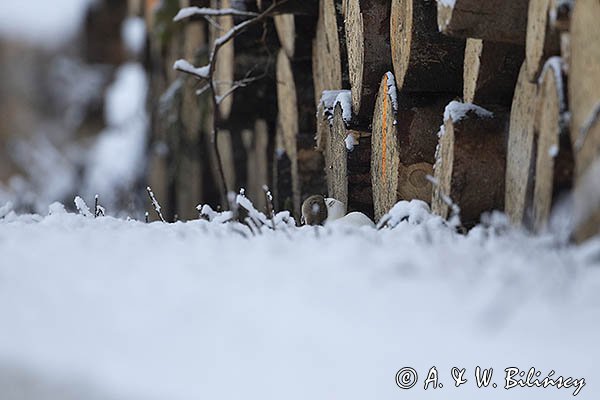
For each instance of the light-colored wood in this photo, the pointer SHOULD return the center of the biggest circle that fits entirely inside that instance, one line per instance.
(330, 60)
(470, 166)
(543, 40)
(587, 202)
(520, 160)
(225, 68)
(584, 83)
(554, 158)
(494, 20)
(256, 142)
(403, 145)
(286, 30)
(347, 165)
(369, 53)
(424, 60)
(490, 72)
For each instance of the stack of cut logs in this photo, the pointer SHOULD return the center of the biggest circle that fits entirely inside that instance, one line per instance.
(468, 105)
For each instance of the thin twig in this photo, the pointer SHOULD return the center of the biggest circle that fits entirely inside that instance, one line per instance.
(155, 203)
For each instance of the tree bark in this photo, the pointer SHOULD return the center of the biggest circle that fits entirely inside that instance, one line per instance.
(424, 59)
(490, 72)
(369, 54)
(520, 161)
(554, 164)
(543, 40)
(403, 145)
(493, 20)
(470, 165)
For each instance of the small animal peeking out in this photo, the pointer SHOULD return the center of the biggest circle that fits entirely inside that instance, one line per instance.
(320, 210)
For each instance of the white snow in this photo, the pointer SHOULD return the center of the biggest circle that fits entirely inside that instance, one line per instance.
(188, 12)
(392, 91)
(350, 142)
(117, 157)
(447, 3)
(48, 23)
(115, 309)
(133, 32)
(331, 98)
(457, 110)
(553, 151)
(185, 66)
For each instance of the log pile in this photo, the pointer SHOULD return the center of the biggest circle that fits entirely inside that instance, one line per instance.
(507, 92)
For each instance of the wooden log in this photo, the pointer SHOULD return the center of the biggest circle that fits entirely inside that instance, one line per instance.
(543, 40)
(330, 58)
(297, 122)
(424, 59)
(348, 160)
(490, 72)
(256, 142)
(403, 145)
(282, 174)
(587, 202)
(470, 163)
(494, 20)
(584, 83)
(225, 66)
(554, 164)
(369, 53)
(520, 160)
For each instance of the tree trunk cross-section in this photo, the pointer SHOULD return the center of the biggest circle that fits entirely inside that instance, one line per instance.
(543, 40)
(403, 145)
(520, 161)
(369, 54)
(493, 20)
(490, 72)
(424, 60)
(470, 164)
(554, 164)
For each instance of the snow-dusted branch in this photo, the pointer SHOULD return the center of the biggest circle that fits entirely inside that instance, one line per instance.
(188, 12)
(155, 204)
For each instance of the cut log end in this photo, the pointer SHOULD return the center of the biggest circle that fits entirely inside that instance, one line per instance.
(470, 167)
(543, 40)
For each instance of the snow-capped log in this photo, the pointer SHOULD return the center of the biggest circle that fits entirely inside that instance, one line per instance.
(494, 20)
(584, 83)
(424, 60)
(347, 163)
(520, 159)
(256, 142)
(330, 58)
(470, 163)
(543, 40)
(490, 72)
(554, 157)
(403, 145)
(296, 119)
(369, 54)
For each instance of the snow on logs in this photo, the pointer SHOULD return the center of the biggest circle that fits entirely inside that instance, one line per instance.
(403, 145)
(490, 72)
(470, 163)
(368, 45)
(584, 99)
(424, 60)
(494, 20)
(554, 164)
(297, 124)
(520, 160)
(330, 58)
(543, 40)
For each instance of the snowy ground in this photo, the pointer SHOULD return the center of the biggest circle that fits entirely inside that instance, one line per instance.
(113, 309)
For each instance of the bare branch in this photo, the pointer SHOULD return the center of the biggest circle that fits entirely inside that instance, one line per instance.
(188, 12)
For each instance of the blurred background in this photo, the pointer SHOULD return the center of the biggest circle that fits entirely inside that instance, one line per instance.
(72, 102)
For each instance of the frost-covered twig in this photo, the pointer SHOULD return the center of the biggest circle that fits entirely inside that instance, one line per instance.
(269, 202)
(82, 207)
(155, 203)
(99, 211)
(207, 73)
(188, 12)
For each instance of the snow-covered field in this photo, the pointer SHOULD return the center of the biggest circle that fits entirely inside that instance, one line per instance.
(113, 309)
